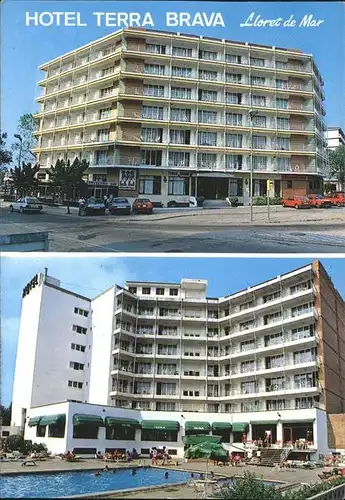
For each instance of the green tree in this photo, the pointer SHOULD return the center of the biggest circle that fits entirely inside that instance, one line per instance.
(26, 127)
(337, 164)
(5, 414)
(24, 179)
(248, 487)
(5, 154)
(66, 178)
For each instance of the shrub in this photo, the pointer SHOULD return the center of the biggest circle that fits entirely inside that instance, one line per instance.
(262, 200)
(248, 487)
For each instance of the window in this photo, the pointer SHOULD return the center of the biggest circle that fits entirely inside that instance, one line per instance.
(274, 361)
(161, 436)
(257, 80)
(281, 64)
(99, 177)
(301, 287)
(146, 290)
(167, 350)
(179, 136)
(253, 406)
(165, 406)
(273, 339)
(304, 356)
(82, 312)
(304, 403)
(207, 138)
(107, 91)
(154, 69)
(304, 380)
(248, 387)
(232, 98)
(207, 116)
(205, 74)
(258, 100)
(132, 289)
(247, 345)
(302, 332)
(148, 157)
(259, 121)
(155, 49)
(236, 187)
(182, 52)
(152, 112)
(181, 72)
(41, 430)
(260, 163)
(208, 95)
(259, 142)
(179, 159)
(256, 61)
(234, 141)
(180, 115)
(178, 185)
(79, 329)
(173, 292)
(233, 78)
(207, 160)
(151, 135)
(282, 143)
(160, 291)
(206, 54)
(181, 93)
(166, 389)
(233, 162)
(230, 58)
(283, 123)
(57, 430)
(281, 84)
(76, 366)
(248, 366)
(275, 384)
(303, 309)
(246, 305)
(85, 431)
(154, 90)
(275, 404)
(247, 325)
(75, 385)
(283, 164)
(233, 119)
(120, 432)
(282, 103)
(272, 318)
(150, 184)
(166, 369)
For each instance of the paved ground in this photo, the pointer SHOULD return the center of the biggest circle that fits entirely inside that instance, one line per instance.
(291, 477)
(203, 231)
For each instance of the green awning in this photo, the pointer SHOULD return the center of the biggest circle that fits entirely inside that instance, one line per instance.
(201, 438)
(165, 425)
(240, 427)
(260, 422)
(53, 419)
(197, 426)
(83, 419)
(34, 421)
(122, 422)
(221, 426)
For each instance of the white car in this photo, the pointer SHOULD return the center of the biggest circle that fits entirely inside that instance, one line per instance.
(26, 204)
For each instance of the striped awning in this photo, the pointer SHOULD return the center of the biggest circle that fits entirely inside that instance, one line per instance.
(166, 425)
(59, 418)
(34, 421)
(85, 419)
(121, 422)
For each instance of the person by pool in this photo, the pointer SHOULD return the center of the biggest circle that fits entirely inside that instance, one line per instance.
(201, 476)
(192, 475)
(106, 468)
(166, 475)
(211, 475)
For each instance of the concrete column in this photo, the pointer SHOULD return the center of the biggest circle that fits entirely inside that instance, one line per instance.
(246, 194)
(101, 439)
(280, 431)
(249, 435)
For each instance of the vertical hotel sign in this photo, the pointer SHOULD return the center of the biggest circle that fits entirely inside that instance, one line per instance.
(128, 179)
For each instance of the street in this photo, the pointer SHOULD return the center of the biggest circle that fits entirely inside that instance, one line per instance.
(225, 230)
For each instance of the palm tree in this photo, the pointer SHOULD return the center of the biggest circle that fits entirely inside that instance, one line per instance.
(66, 178)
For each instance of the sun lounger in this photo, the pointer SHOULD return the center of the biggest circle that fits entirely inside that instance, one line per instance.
(28, 462)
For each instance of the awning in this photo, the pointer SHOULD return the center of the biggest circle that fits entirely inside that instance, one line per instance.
(157, 425)
(198, 426)
(260, 422)
(83, 419)
(53, 419)
(240, 427)
(221, 426)
(121, 422)
(34, 421)
(201, 438)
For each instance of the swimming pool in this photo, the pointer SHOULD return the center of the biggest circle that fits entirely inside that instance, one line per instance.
(63, 484)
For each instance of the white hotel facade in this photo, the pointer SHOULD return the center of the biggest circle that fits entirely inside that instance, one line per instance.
(150, 362)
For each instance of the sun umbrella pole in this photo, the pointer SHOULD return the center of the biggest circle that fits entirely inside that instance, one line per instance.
(206, 477)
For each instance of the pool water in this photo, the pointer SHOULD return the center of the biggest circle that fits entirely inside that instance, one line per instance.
(63, 484)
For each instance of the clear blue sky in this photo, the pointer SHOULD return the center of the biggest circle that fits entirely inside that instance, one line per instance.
(92, 275)
(24, 48)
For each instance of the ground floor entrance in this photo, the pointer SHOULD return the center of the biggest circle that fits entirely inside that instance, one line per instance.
(212, 188)
(298, 432)
(267, 433)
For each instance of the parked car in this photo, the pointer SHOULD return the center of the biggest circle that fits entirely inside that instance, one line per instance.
(119, 206)
(26, 204)
(337, 198)
(319, 201)
(296, 202)
(142, 206)
(91, 206)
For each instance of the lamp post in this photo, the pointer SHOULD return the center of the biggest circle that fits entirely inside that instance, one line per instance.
(19, 137)
(252, 114)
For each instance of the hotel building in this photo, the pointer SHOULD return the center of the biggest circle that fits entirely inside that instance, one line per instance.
(269, 357)
(172, 116)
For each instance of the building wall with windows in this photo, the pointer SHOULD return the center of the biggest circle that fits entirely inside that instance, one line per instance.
(181, 115)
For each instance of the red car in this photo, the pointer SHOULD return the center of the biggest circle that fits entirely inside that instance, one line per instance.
(337, 198)
(319, 201)
(142, 206)
(296, 202)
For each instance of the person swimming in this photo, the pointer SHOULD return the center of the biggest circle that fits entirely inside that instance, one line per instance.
(97, 473)
(166, 475)
(134, 471)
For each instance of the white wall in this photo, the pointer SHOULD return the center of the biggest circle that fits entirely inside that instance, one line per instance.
(26, 355)
(321, 432)
(102, 331)
(54, 353)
